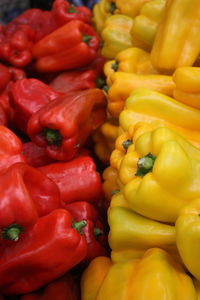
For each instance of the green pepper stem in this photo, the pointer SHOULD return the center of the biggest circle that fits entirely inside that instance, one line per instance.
(97, 232)
(52, 136)
(114, 192)
(115, 66)
(12, 232)
(71, 9)
(112, 7)
(100, 82)
(126, 144)
(145, 164)
(79, 225)
(106, 88)
(86, 38)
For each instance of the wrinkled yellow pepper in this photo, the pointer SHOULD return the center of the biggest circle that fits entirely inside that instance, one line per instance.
(146, 23)
(161, 175)
(188, 236)
(157, 109)
(122, 84)
(155, 276)
(129, 8)
(187, 90)
(176, 43)
(116, 35)
(131, 60)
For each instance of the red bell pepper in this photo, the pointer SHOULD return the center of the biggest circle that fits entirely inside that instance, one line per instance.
(64, 288)
(77, 180)
(16, 73)
(71, 46)
(10, 149)
(28, 95)
(26, 194)
(64, 12)
(5, 103)
(3, 117)
(45, 252)
(64, 124)
(74, 81)
(94, 231)
(5, 77)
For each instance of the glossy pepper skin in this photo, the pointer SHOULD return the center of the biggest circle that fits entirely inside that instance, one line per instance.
(116, 35)
(156, 109)
(110, 184)
(5, 77)
(77, 180)
(129, 8)
(53, 246)
(64, 12)
(94, 231)
(27, 195)
(146, 23)
(117, 94)
(187, 80)
(162, 167)
(118, 281)
(27, 96)
(71, 46)
(187, 236)
(63, 288)
(180, 47)
(63, 125)
(101, 11)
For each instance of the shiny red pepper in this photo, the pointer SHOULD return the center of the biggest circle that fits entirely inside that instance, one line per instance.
(27, 96)
(71, 46)
(63, 125)
(45, 252)
(5, 103)
(65, 12)
(16, 73)
(5, 77)
(64, 288)
(26, 195)
(77, 180)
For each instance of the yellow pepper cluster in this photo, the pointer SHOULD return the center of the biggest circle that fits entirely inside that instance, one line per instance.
(150, 145)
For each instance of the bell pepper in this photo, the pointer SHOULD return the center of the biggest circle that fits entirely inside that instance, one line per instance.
(187, 80)
(129, 8)
(27, 96)
(74, 81)
(64, 287)
(155, 276)
(176, 42)
(45, 252)
(157, 109)
(133, 232)
(26, 195)
(63, 125)
(5, 77)
(117, 94)
(10, 149)
(104, 139)
(131, 60)
(35, 155)
(71, 46)
(197, 287)
(77, 180)
(101, 11)
(146, 23)
(3, 117)
(94, 231)
(161, 168)
(16, 73)
(116, 35)
(6, 105)
(187, 236)
(110, 184)
(64, 12)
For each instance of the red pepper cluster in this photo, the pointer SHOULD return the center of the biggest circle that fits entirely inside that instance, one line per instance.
(51, 205)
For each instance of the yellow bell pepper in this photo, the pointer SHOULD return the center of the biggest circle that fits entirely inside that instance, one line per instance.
(157, 109)
(187, 90)
(176, 43)
(133, 232)
(146, 23)
(188, 236)
(124, 83)
(116, 35)
(131, 60)
(156, 276)
(104, 139)
(93, 276)
(197, 287)
(161, 175)
(129, 8)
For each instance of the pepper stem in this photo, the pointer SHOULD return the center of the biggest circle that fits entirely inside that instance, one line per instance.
(52, 136)
(71, 9)
(97, 232)
(79, 225)
(112, 7)
(115, 66)
(12, 232)
(145, 164)
(86, 38)
(126, 144)
(114, 192)
(100, 82)
(106, 88)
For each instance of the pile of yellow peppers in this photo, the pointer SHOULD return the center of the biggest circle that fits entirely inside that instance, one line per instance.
(150, 146)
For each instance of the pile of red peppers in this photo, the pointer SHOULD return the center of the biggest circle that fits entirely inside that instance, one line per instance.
(52, 215)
